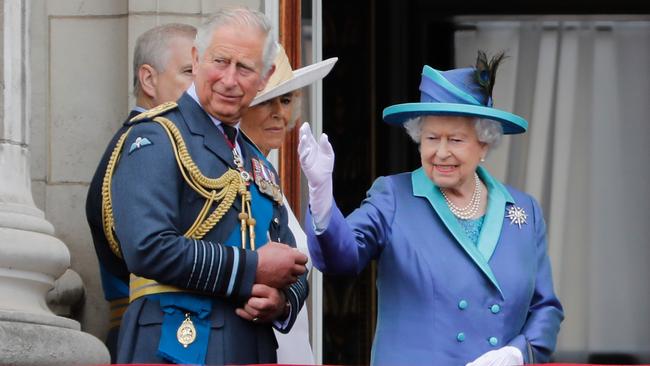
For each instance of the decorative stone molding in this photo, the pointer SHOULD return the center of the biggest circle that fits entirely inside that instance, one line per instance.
(31, 257)
(67, 295)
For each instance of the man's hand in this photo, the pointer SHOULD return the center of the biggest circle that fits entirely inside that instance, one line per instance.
(279, 265)
(265, 305)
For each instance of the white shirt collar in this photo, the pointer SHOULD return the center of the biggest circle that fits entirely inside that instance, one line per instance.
(191, 91)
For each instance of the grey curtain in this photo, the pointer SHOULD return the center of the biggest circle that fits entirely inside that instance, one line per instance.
(584, 86)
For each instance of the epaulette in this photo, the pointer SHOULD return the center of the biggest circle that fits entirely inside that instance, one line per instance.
(154, 112)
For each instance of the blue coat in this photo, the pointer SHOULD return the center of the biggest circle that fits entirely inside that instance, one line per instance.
(113, 271)
(153, 206)
(443, 300)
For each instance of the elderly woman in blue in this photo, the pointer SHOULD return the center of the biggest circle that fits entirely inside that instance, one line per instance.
(463, 272)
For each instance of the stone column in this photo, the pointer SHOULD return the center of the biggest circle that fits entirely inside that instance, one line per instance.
(31, 257)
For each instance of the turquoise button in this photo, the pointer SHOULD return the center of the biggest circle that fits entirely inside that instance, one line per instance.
(462, 304)
(460, 337)
(495, 309)
(493, 341)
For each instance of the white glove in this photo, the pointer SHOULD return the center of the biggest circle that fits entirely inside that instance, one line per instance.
(317, 162)
(505, 356)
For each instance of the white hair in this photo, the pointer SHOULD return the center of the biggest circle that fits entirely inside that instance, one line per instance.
(244, 17)
(152, 48)
(487, 131)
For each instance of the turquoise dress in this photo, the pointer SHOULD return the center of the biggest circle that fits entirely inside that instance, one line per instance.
(472, 228)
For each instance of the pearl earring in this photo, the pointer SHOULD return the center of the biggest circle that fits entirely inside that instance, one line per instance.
(482, 160)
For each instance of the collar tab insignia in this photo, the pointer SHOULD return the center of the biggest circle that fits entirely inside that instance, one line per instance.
(154, 112)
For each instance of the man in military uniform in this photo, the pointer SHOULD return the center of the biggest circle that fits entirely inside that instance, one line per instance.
(162, 71)
(209, 273)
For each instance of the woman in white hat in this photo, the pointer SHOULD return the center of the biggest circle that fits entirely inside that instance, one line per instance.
(463, 273)
(272, 114)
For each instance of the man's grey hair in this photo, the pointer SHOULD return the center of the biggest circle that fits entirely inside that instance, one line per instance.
(487, 131)
(243, 17)
(152, 48)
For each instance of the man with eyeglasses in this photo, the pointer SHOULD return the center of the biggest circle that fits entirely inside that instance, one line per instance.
(213, 263)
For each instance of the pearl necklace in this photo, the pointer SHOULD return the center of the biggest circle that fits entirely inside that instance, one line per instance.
(474, 205)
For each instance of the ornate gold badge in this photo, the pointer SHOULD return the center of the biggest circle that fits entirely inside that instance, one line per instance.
(186, 333)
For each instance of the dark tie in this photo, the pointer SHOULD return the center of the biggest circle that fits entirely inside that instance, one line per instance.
(230, 132)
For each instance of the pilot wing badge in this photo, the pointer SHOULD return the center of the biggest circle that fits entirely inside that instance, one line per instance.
(139, 142)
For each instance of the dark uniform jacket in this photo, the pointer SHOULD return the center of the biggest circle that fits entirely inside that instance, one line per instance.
(154, 206)
(113, 271)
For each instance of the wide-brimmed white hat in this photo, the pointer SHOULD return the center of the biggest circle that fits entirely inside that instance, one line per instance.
(285, 80)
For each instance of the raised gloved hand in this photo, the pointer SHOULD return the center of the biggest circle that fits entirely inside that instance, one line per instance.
(317, 162)
(504, 356)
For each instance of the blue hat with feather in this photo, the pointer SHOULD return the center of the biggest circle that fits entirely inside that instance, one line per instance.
(458, 92)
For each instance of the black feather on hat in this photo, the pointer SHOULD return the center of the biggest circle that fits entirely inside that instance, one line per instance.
(486, 71)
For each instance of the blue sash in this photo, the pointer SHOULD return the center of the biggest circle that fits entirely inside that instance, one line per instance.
(175, 305)
(113, 286)
(262, 207)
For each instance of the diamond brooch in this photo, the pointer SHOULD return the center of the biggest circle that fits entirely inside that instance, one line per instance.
(517, 216)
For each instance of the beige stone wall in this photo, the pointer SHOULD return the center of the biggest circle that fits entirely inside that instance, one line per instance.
(81, 84)
(2, 81)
